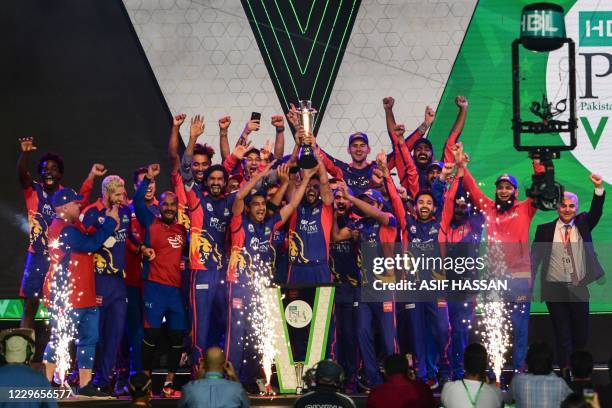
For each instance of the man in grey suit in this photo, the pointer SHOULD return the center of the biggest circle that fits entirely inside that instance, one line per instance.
(563, 252)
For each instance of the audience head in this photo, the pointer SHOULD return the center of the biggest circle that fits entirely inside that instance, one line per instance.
(17, 345)
(475, 360)
(215, 360)
(581, 364)
(396, 364)
(329, 373)
(539, 359)
(140, 386)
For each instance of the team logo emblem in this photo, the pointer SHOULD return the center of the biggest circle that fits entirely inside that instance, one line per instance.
(413, 229)
(251, 228)
(298, 314)
(100, 220)
(209, 206)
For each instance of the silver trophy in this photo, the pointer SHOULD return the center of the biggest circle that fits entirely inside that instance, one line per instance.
(307, 158)
(299, 377)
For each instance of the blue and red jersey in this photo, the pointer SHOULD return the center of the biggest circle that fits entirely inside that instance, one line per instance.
(167, 240)
(309, 234)
(251, 246)
(357, 179)
(70, 249)
(209, 218)
(344, 254)
(110, 258)
(41, 213)
(377, 240)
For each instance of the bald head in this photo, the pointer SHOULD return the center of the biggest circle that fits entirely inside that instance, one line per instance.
(215, 359)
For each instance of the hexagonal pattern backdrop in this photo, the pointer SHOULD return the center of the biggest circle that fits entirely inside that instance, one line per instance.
(206, 60)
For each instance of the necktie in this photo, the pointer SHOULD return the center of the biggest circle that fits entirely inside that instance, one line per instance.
(568, 248)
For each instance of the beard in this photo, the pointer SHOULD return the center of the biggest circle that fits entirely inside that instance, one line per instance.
(503, 206)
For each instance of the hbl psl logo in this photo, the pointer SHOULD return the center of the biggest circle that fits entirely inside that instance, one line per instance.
(591, 28)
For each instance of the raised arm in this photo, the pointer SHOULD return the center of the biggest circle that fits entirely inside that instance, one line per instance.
(283, 175)
(143, 214)
(477, 197)
(287, 210)
(453, 137)
(396, 202)
(327, 196)
(27, 146)
(406, 169)
(173, 143)
(97, 170)
(245, 190)
(250, 127)
(367, 209)
(339, 234)
(596, 209)
(224, 148)
(195, 130)
(279, 141)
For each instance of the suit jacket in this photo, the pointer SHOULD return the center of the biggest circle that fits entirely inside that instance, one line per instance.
(545, 233)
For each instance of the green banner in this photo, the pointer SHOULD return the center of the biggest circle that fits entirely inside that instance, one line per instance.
(483, 73)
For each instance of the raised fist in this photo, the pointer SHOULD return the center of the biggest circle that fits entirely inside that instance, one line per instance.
(430, 115)
(178, 120)
(278, 121)
(461, 102)
(152, 170)
(224, 122)
(98, 170)
(597, 180)
(388, 102)
(27, 144)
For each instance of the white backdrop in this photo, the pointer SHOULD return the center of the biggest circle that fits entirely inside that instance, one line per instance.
(206, 60)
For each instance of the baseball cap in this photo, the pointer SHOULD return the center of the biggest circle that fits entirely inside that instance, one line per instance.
(359, 135)
(507, 177)
(255, 192)
(15, 344)
(423, 140)
(327, 369)
(373, 195)
(436, 163)
(65, 196)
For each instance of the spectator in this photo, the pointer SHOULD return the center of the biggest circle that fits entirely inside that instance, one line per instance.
(539, 387)
(399, 390)
(213, 390)
(328, 378)
(472, 390)
(140, 390)
(17, 348)
(581, 366)
(605, 392)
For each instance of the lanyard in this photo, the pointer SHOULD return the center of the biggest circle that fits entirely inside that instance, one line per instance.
(474, 400)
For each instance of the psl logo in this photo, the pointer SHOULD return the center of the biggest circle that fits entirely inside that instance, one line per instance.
(592, 29)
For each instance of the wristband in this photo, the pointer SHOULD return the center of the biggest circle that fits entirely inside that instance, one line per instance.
(280, 129)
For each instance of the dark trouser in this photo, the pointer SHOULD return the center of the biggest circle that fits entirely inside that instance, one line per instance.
(111, 291)
(383, 315)
(346, 301)
(570, 320)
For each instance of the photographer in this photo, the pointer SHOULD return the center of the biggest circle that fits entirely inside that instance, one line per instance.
(212, 389)
(328, 378)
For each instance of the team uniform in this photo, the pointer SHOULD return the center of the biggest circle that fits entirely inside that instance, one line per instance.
(429, 317)
(109, 266)
(280, 248)
(459, 240)
(71, 250)
(358, 180)
(510, 230)
(309, 239)
(251, 250)
(162, 280)
(378, 240)
(40, 215)
(209, 219)
(344, 265)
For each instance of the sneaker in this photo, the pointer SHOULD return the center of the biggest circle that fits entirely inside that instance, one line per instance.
(169, 392)
(432, 383)
(93, 392)
(121, 389)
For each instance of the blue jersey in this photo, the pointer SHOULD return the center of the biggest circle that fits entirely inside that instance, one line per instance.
(251, 246)
(209, 219)
(309, 234)
(344, 256)
(110, 258)
(357, 179)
